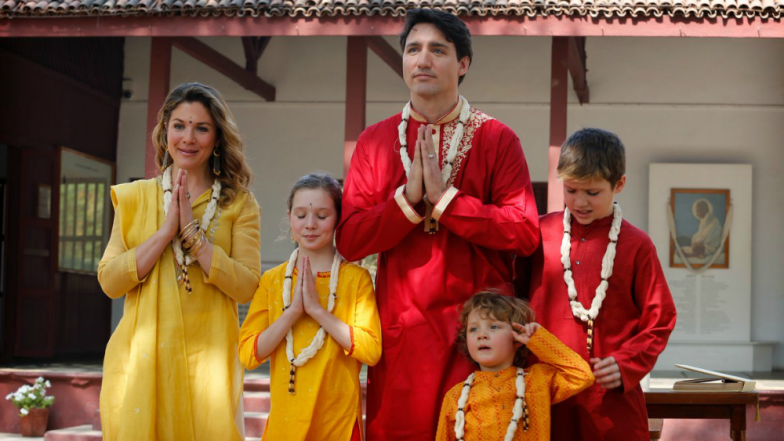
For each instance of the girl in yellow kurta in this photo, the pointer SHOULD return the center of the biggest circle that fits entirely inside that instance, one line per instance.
(171, 370)
(497, 332)
(316, 398)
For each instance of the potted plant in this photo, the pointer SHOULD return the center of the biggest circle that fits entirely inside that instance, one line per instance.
(33, 405)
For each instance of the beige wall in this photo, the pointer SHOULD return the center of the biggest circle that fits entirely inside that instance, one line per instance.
(670, 100)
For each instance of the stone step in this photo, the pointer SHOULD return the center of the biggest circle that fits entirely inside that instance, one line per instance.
(81, 433)
(256, 401)
(254, 423)
(18, 437)
(78, 433)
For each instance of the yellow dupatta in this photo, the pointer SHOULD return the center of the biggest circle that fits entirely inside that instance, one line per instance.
(141, 375)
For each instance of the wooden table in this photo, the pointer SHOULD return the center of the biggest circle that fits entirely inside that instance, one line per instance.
(703, 405)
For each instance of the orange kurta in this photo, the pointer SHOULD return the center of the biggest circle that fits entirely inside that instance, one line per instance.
(327, 402)
(560, 374)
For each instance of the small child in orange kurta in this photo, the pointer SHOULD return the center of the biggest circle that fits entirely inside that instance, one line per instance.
(503, 401)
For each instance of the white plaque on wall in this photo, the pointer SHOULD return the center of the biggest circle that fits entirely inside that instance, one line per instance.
(701, 213)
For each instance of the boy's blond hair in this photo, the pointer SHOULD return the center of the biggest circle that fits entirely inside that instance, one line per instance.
(592, 154)
(500, 307)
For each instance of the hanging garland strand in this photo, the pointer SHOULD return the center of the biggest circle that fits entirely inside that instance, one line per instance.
(185, 260)
(520, 409)
(318, 340)
(589, 315)
(446, 172)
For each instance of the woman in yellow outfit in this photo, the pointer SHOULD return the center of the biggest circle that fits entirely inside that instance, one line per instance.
(316, 333)
(184, 250)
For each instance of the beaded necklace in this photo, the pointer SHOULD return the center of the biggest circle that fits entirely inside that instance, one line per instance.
(520, 409)
(431, 225)
(465, 113)
(183, 261)
(318, 340)
(589, 315)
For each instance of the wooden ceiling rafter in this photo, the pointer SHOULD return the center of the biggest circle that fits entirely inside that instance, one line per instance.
(387, 53)
(224, 65)
(254, 48)
(576, 62)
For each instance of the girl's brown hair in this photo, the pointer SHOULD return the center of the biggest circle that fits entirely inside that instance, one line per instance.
(500, 307)
(235, 174)
(321, 181)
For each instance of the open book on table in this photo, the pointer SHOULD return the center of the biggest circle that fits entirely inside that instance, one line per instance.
(717, 382)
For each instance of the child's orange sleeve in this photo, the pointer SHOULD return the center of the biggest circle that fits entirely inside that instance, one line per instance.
(255, 323)
(365, 326)
(570, 374)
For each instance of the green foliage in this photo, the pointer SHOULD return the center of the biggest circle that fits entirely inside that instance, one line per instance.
(31, 397)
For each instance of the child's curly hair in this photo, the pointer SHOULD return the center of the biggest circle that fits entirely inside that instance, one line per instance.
(503, 308)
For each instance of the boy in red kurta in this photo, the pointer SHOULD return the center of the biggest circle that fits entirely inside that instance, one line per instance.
(596, 283)
(441, 191)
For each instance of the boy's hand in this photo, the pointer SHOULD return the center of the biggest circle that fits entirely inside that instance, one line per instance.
(523, 333)
(607, 372)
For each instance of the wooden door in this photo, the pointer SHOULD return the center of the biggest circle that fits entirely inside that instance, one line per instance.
(36, 252)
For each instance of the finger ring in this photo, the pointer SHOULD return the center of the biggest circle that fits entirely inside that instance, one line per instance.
(431, 155)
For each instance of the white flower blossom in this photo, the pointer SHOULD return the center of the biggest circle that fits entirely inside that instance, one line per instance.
(24, 411)
(8, 397)
(18, 396)
(39, 380)
(47, 383)
(31, 396)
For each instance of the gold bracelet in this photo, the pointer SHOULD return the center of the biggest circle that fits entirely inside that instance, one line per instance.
(187, 245)
(191, 234)
(194, 251)
(189, 228)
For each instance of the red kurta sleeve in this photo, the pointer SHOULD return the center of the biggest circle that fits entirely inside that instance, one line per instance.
(371, 224)
(638, 354)
(510, 222)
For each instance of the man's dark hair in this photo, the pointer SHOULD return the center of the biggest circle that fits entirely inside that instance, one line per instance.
(452, 27)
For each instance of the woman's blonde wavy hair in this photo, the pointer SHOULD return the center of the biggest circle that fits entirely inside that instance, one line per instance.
(235, 173)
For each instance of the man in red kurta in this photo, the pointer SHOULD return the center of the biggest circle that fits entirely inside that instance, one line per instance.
(637, 315)
(440, 237)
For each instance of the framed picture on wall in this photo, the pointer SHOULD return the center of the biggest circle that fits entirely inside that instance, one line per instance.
(699, 216)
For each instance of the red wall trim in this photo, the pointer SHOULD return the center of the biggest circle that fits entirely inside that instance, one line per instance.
(549, 26)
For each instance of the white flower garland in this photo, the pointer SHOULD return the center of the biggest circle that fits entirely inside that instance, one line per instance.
(465, 113)
(517, 411)
(588, 315)
(318, 340)
(205, 220)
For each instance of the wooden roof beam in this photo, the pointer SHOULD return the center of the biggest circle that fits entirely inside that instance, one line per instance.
(387, 53)
(254, 48)
(577, 68)
(225, 66)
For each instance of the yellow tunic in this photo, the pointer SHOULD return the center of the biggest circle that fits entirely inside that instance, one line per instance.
(171, 370)
(560, 374)
(327, 401)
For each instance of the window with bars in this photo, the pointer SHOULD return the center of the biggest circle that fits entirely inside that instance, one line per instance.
(83, 223)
